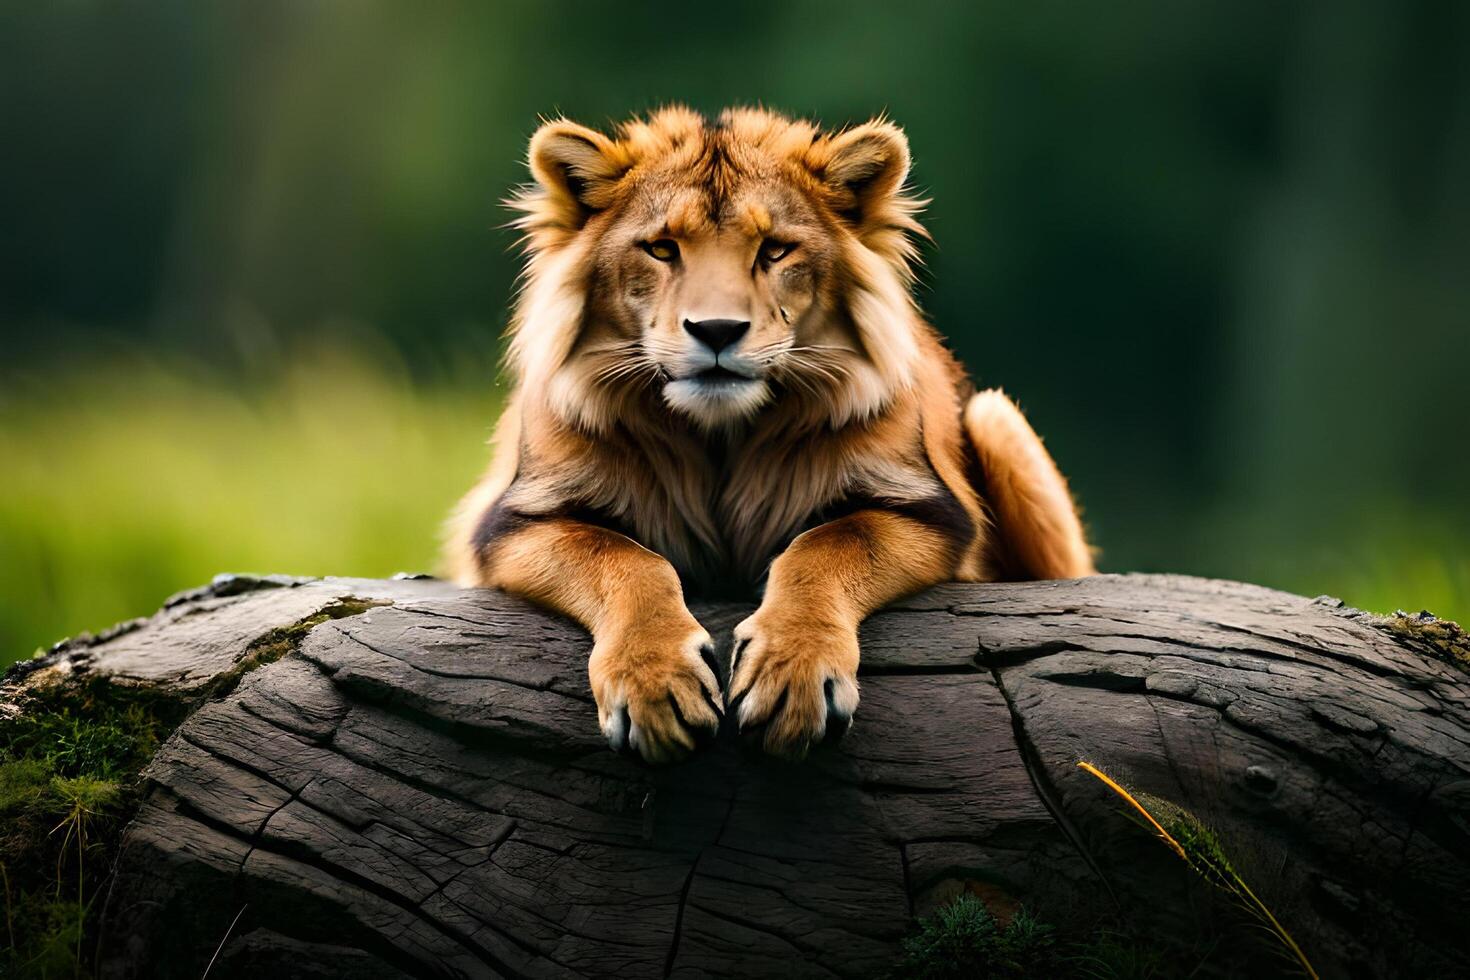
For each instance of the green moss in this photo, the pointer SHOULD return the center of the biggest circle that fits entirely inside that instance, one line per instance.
(1440, 638)
(272, 646)
(22, 782)
(69, 767)
(283, 640)
(92, 732)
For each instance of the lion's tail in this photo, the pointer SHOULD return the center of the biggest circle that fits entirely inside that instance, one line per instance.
(1039, 532)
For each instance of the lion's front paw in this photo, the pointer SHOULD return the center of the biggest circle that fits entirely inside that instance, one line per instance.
(794, 681)
(657, 695)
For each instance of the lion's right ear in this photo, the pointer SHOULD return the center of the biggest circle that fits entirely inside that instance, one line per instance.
(578, 168)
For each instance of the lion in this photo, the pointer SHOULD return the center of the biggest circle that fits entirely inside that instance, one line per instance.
(723, 385)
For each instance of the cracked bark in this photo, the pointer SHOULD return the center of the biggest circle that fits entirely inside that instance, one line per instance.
(420, 788)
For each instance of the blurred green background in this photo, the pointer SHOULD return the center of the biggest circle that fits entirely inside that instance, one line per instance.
(252, 277)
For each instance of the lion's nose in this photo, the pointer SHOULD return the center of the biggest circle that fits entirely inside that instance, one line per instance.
(717, 334)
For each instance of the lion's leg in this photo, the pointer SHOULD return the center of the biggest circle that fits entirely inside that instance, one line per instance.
(1040, 535)
(794, 669)
(652, 665)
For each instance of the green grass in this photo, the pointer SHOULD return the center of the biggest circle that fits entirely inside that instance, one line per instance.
(1376, 553)
(130, 479)
(962, 940)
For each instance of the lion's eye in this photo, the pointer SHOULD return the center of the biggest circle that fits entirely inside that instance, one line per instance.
(665, 249)
(774, 251)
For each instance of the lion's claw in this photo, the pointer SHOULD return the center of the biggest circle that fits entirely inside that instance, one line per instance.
(655, 699)
(839, 722)
(617, 731)
(794, 684)
(707, 654)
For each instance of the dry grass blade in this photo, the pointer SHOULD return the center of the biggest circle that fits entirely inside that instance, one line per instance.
(224, 939)
(1128, 798)
(1201, 850)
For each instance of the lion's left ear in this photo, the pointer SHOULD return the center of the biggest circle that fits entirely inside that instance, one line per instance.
(866, 168)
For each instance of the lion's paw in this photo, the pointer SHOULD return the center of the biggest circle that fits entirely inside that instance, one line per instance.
(793, 682)
(656, 696)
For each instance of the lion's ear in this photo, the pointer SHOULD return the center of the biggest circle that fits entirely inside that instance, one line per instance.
(578, 167)
(866, 167)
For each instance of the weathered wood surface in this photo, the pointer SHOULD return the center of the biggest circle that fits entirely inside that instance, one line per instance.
(421, 788)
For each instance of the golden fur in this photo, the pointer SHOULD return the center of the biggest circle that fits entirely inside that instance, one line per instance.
(831, 451)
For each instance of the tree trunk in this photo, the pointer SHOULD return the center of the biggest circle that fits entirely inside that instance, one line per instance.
(411, 781)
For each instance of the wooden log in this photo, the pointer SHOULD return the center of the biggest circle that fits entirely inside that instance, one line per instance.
(418, 787)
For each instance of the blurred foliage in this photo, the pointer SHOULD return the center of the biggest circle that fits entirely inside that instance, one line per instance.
(132, 478)
(1216, 248)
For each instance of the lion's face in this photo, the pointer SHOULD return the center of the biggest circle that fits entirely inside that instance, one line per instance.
(725, 266)
(722, 296)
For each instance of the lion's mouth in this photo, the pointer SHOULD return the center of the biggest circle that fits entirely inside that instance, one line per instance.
(718, 375)
(717, 393)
